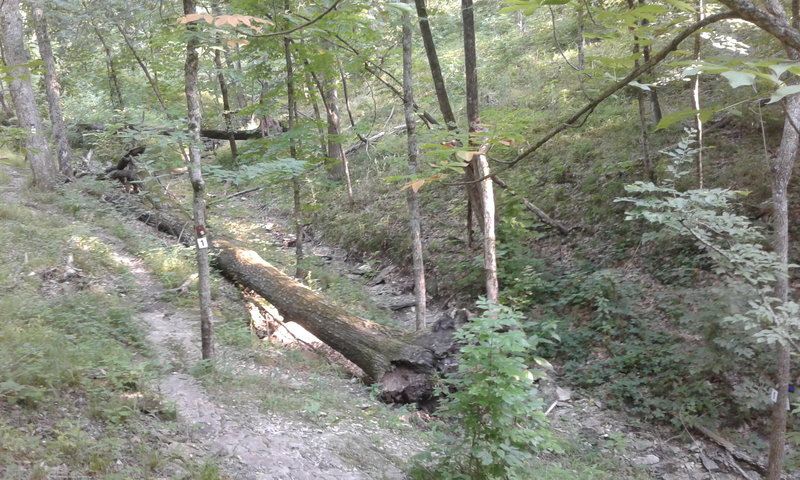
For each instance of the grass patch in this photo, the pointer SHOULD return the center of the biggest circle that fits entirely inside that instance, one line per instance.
(74, 380)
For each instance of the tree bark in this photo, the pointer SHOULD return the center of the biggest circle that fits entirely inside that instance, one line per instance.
(644, 139)
(226, 103)
(291, 102)
(198, 186)
(227, 114)
(433, 62)
(375, 348)
(339, 170)
(698, 124)
(312, 99)
(37, 151)
(481, 194)
(420, 292)
(53, 91)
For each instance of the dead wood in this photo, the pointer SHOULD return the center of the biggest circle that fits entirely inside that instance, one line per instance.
(736, 452)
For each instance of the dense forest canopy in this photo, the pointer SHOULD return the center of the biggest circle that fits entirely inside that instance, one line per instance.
(610, 183)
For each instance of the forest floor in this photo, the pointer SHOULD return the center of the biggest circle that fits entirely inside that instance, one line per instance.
(263, 411)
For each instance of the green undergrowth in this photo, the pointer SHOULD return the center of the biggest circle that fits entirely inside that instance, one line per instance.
(75, 375)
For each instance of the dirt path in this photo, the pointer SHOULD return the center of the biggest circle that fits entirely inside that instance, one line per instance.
(249, 443)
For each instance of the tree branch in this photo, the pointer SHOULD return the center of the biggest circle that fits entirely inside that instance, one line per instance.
(645, 67)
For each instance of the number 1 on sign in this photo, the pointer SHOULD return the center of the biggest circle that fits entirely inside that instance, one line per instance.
(202, 242)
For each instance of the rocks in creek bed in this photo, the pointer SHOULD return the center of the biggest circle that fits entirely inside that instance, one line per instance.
(645, 460)
(395, 302)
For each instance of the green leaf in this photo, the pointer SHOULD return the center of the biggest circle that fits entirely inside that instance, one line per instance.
(681, 5)
(780, 68)
(641, 86)
(739, 79)
(783, 92)
(401, 7)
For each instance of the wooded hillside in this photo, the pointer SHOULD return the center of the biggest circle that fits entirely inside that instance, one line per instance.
(607, 186)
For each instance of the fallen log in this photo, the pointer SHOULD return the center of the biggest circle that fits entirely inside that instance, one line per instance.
(211, 133)
(404, 364)
(375, 348)
(224, 135)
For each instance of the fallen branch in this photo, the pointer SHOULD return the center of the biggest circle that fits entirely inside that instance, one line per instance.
(374, 138)
(544, 217)
(732, 449)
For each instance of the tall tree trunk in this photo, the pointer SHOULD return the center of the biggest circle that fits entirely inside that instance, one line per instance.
(227, 114)
(114, 90)
(312, 99)
(53, 91)
(198, 186)
(241, 101)
(339, 170)
(150, 78)
(696, 96)
(781, 166)
(291, 101)
(433, 62)
(644, 139)
(478, 166)
(37, 151)
(226, 103)
(420, 291)
(581, 43)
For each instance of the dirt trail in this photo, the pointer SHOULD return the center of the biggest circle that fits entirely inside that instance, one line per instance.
(249, 443)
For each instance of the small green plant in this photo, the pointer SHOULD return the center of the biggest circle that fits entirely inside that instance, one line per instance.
(496, 423)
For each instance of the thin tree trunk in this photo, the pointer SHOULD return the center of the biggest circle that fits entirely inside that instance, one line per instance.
(291, 101)
(150, 79)
(226, 104)
(420, 291)
(489, 238)
(346, 96)
(223, 90)
(312, 99)
(114, 90)
(198, 187)
(581, 38)
(780, 173)
(340, 170)
(479, 166)
(696, 96)
(53, 91)
(240, 97)
(640, 98)
(781, 166)
(655, 105)
(433, 62)
(8, 112)
(37, 151)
